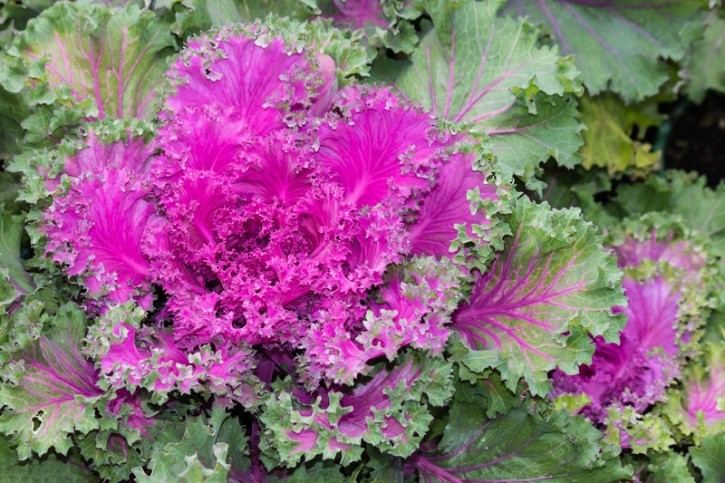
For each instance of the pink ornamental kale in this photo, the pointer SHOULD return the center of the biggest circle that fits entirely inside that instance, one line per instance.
(412, 308)
(285, 201)
(637, 371)
(678, 254)
(271, 215)
(387, 410)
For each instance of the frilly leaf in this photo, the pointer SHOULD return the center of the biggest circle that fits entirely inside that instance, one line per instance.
(48, 389)
(492, 77)
(209, 449)
(607, 139)
(698, 410)
(534, 309)
(193, 16)
(414, 310)
(389, 411)
(114, 58)
(640, 433)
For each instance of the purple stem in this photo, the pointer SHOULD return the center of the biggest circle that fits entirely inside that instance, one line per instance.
(426, 467)
(257, 473)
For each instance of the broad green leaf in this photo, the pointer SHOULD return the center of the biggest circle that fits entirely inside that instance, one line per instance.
(440, 11)
(13, 278)
(493, 396)
(14, 15)
(49, 469)
(535, 308)
(327, 472)
(115, 59)
(618, 45)
(521, 140)
(669, 466)
(491, 75)
(520, 446)
(13, 110)
(608, 141)
(206, 451)
(381, 468)
(705, 68)
(47, 390)
(710, 458)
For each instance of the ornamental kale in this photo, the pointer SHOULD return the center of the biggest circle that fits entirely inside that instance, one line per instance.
(660, 274)
(355, 240)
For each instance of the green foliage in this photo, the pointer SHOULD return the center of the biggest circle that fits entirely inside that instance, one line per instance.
(490, 75)
(534, 286)
(683, 194)
(608, 138)
(521, 445)
(14, 16)
(705, 66)
(194, 16)
(665, 467)
(618, 45)
(14, 280)
(48, 388)
(566, 286)
(396, 399)
(206, 451)
(641, 432)
(111, 70)
(710, 458)
(13, 110)
(49, 468)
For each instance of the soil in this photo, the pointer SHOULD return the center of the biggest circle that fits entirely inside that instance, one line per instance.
(696, 141)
